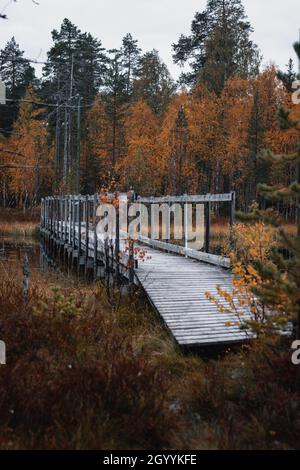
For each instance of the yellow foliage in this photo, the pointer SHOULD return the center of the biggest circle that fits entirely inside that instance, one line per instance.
(252, 244)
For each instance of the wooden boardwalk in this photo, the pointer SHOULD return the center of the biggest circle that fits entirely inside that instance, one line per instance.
(176, 287)
(175, 282)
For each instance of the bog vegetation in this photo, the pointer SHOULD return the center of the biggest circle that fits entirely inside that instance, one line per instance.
(83, 375)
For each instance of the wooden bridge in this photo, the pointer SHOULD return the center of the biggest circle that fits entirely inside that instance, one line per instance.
(174, 277)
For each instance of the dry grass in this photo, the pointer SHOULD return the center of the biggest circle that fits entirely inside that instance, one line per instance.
(80, 376)
(15, 223)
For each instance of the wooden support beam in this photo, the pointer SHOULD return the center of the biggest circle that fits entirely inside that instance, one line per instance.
(87, 238)
(117, 241)
(232, 208)
(79, 232)
(207, 226)
(73, 223)
(69, 219)
(95, 207)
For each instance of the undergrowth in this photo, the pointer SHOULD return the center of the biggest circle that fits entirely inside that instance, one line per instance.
(81, 376)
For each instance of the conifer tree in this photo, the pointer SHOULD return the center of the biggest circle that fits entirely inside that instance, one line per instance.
(17, 74)
(115, 98)
(154, 83)
(131, 56)
(219, 45)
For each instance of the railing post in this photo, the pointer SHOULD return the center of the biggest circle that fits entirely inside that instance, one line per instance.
(79, 232)
(95, 206)
(55, 218)
(186, 236)
(65, 219)
(69, 218)
(51, 216)
(117, 238)
(232, 208)
(207, 226)
(74, 222)
(131, 262)
(42, 214)
(87, 235)
(60, 218)
(48, 216)
(232, 217)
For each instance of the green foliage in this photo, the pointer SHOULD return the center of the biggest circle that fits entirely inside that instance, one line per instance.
(219, 45)
(154, 83)
(87, 54)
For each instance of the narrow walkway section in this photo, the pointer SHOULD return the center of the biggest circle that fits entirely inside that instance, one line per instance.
(176, 287)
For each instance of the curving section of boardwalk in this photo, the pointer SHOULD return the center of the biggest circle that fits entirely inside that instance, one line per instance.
(175, 278)
(176, 287)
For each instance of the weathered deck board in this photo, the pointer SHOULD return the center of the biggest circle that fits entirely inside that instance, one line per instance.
(176, 287)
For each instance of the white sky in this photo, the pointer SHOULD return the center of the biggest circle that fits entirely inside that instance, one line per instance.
(155, 23)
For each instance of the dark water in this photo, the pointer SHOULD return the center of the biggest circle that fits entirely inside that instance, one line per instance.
(14, 250)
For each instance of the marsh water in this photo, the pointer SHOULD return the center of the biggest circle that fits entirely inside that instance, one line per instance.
(13, 251)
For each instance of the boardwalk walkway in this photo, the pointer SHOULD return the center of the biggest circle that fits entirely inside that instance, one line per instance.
(174, 282)
(176, 287)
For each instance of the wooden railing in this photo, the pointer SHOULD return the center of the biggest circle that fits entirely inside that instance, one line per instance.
(64, 217)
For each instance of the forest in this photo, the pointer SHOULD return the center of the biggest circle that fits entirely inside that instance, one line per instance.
(116, 119)
(92, 362)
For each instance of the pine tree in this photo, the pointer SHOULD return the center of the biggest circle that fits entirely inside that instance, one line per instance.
(219, 45)
(131, 56)
(15, 71)
(115, 98)
(75, 71)
(17, 74)
(75, 58)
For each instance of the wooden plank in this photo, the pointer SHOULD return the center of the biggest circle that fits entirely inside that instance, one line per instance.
(181, 199)
(181, 250)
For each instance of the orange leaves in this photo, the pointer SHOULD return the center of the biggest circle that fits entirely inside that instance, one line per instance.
(29, 140)
(252, 243)
(140, 168)
(216, 150)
